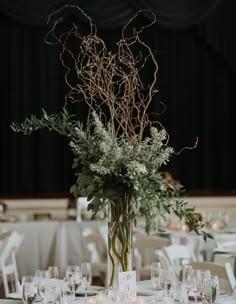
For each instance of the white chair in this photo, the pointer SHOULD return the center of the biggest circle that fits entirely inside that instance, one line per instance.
(179, 255)
(162, 258)
(224, 273)
(97, 247)
(9, 266)
(145, 252)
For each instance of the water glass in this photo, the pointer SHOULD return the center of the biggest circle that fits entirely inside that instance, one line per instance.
(53, 272)
(205, 274)
(216, 287)
(86, 276)
(52, 294)
(166, 279)
(196, 288)
(155, 275)
(42, 280)
(180, 293)
(199, 276)
(210, 290)
(207, 291)
(187, 277)
(29, 289)
(74, 270)
(68, 288)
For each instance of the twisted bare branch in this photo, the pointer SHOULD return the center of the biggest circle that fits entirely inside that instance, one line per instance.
(108, 80)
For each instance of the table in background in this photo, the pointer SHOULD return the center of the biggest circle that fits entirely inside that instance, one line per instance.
(48, 243)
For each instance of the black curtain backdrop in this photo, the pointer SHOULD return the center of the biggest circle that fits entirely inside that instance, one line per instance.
(194, 43)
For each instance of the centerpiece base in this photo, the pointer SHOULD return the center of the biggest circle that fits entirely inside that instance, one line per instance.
(120, 251)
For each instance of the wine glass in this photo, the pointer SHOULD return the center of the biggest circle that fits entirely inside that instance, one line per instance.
(74, 270)
(155, 275)
(200, 275)
(205, 274)
(42, 278)
(86, 276)
(29, 290)
(53, 274)
(211, 289)
(187, 277)
(68, 288)
(196, 285)
(166, 279)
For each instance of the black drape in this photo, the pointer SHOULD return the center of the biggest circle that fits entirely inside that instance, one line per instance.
(112, 13)
(194, 43)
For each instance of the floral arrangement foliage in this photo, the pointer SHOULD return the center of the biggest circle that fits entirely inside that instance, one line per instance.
(114, 162)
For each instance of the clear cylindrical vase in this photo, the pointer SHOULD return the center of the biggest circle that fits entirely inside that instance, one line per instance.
(120, 250)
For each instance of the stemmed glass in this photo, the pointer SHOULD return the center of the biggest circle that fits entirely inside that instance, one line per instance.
(199, 276)
(74, 270)
(53, 274)
(205, 274)
(29, 289)
(68, 288)
(216, 287)
(196, 286)
(187, 277)
(166, 279)
(86, 277)
(41, 280)
(155, 275)
(210, 289)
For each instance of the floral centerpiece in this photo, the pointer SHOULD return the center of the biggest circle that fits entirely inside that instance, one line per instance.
(120, 152)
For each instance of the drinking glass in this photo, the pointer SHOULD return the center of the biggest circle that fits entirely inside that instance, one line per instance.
(196, 288)
(86, 276)
(52, 294)
(53, 274)
(180, 293)
(41, 279)
(166, 279)
(216, 287)
(29, 290)
(199, 276)
(68, 288)
(187, 277)
(205, 274)
(74, 270)
(155, 275)
(210, 289)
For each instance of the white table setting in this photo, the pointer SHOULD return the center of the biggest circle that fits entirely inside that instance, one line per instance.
(196, 286)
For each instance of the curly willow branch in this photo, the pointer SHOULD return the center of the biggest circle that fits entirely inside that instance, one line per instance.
(105, 80)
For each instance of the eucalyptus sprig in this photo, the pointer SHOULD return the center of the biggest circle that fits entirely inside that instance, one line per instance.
(107, 168)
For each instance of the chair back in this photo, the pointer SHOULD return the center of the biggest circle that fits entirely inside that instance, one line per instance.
(98, 249)
(224, 273)
(8, 263)
(179, 255)
(145, 248)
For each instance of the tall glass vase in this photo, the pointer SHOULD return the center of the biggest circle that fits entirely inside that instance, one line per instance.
(120, 243)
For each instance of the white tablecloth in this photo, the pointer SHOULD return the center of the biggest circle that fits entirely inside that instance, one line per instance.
(48, 243)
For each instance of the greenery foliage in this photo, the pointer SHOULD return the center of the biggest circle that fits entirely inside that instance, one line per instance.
(110, 169)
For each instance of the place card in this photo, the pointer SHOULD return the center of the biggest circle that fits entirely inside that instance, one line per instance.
(127, 285)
